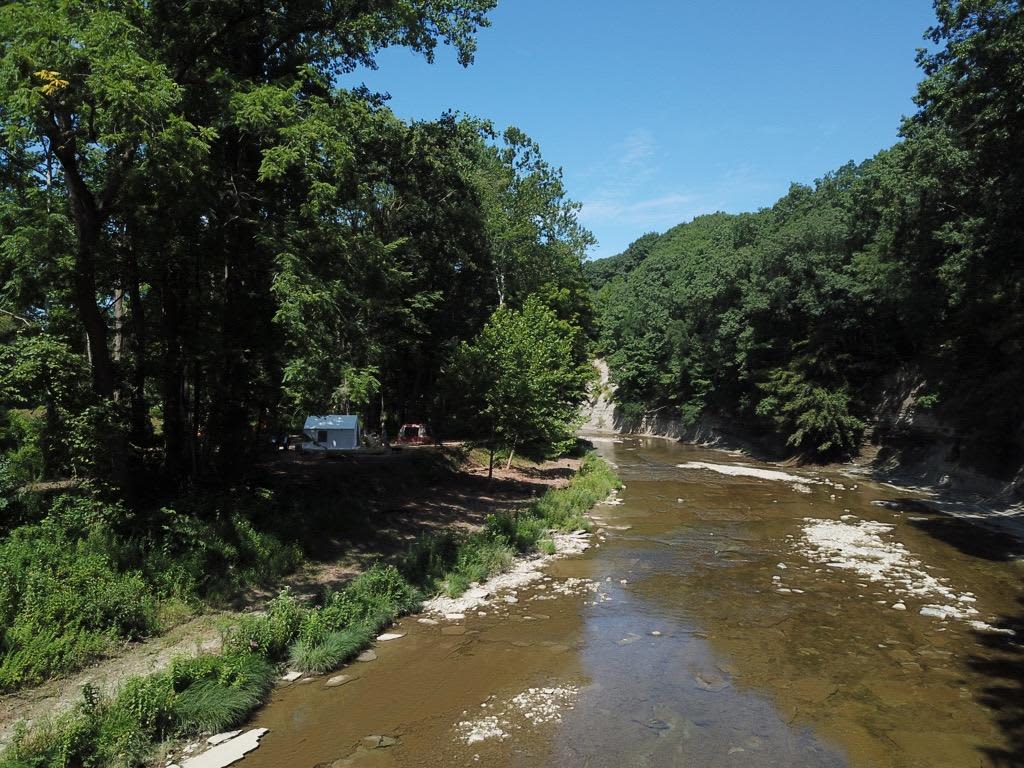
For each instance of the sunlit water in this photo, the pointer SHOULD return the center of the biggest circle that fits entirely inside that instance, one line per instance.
(710, 633)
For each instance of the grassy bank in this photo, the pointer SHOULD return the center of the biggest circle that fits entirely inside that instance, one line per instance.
(211, 693)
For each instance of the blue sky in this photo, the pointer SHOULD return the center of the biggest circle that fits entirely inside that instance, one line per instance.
(661, 110)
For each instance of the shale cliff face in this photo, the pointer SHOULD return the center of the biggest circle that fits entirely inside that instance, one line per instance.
(915, 443)
(904, 442)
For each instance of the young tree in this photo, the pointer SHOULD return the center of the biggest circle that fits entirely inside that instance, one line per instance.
(529, 380)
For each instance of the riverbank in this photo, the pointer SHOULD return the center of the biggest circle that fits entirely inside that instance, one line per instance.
(218, 690)
(950, 489)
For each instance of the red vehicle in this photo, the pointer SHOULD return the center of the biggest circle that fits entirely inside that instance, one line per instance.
(414, 434)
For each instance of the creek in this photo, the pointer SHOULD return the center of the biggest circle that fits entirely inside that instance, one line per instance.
(721, 618)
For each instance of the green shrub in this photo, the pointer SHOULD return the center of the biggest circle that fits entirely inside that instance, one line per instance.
(62, 601)
(371, 600)
(214, 693)
(430, 557)
(816, 420)
(268, 634)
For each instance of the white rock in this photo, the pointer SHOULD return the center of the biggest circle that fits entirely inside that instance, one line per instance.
(781, 566)
(213, 741)
(454, 616)
(229, 752)
(428, 622)
(899, 607)
(511, 599)
(390, 636)
(291, 676)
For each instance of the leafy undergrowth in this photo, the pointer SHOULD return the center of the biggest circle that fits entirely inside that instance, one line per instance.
(212, 693)
(88, 576)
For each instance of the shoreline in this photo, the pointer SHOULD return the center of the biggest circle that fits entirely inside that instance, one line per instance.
(986, 512)
(586, 477)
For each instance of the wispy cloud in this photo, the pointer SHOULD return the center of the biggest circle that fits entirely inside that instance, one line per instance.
(658, 212)
(626, 193)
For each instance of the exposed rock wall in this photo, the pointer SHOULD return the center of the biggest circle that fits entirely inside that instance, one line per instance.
(915, 445)
(903, 443)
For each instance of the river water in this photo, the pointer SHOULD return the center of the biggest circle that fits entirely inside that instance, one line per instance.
(720, 620)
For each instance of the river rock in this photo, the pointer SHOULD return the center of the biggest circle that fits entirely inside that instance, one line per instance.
(428, 622)
(899, 607)
(370, 655)
(337, 680)
(379, 742)
(390, 636)
(219, 738)
(228, 752)
(454, 616)
(710, 682)
(291, 676)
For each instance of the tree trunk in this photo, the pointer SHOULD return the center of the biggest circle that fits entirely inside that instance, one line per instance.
(84, 293)
(140, 427)
(172, 379)
(89, 217)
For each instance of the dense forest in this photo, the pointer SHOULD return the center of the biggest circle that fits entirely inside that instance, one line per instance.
(206, 236)
(203, 238)
(800, 319)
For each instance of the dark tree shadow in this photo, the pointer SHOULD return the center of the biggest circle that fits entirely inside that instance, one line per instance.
(1002, 662)
(970, 538)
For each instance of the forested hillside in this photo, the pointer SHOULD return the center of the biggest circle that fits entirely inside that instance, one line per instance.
(798, 320)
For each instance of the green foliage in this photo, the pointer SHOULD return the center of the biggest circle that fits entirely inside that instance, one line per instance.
(816, 419)
(196, 695)
(526, 373)
(81, 579)
(329, 651)
(268, 634)
(220, 696)
(63, 599)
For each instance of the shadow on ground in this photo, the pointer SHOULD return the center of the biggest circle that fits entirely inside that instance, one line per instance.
(349, 512)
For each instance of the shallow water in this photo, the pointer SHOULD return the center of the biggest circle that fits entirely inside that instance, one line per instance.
(709, 630)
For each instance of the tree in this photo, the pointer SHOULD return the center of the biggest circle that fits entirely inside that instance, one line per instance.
(152, 161)
(529, 382)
